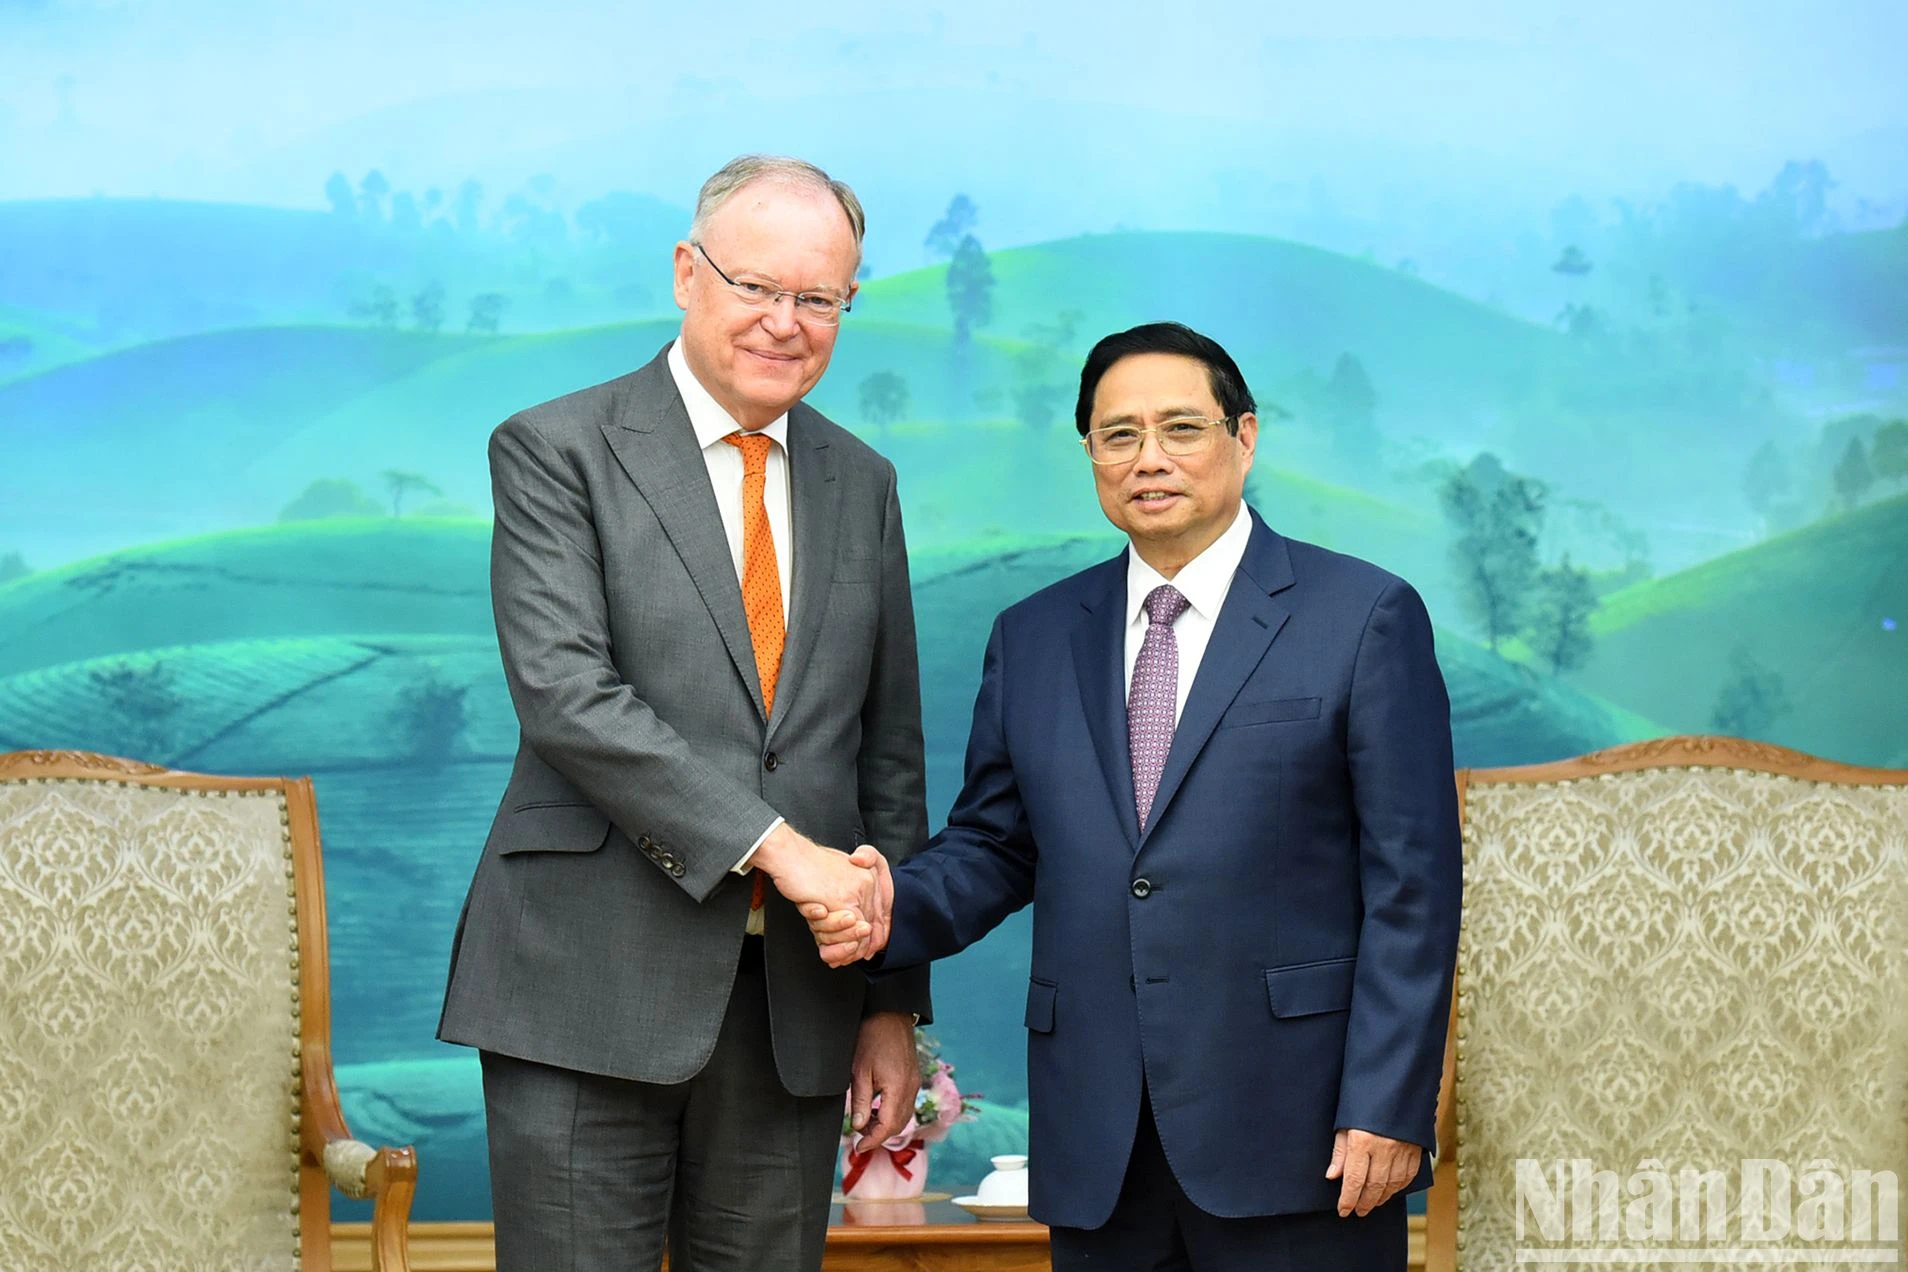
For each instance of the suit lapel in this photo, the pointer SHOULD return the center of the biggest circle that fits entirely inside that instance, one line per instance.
(655, 444)
(1256, 607)
(815, 510)
(1099, 658)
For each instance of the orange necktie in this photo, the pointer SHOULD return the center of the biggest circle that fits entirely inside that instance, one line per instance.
(761, 580)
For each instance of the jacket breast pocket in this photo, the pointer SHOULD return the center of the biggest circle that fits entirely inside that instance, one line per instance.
(1274, 711)
(551, 828)
(1311, 988)
(1040, 996)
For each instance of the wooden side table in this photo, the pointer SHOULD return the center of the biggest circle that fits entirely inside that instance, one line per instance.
(874, 1237)
(964, 1246)
(933, 1235)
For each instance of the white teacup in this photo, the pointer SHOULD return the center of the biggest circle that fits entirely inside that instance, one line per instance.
(1006, 1184)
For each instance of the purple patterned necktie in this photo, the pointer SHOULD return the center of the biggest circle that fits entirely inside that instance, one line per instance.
(1153, 700)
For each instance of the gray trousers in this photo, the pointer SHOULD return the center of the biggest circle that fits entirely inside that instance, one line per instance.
(594, 1174)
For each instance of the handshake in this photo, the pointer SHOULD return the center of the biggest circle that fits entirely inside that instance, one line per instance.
(847, 898)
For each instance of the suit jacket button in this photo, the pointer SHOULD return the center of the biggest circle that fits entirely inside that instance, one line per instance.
(645, 843)
(771, 762)
(676, 869)
(1142, 888)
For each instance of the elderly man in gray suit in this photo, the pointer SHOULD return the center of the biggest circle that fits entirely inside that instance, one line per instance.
(701, 594)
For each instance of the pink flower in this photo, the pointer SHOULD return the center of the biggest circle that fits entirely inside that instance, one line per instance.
(948, 1106)
(947, 1099)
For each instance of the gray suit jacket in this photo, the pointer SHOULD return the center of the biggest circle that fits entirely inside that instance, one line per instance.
(603, 927)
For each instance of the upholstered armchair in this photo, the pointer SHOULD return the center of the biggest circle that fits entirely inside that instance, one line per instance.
(1678, 955)
(166, 1091)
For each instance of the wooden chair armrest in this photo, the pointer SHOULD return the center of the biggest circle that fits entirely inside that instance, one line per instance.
(385, 1176)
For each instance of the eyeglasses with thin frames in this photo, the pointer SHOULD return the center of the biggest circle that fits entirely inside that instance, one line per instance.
(1122, 443)
(810, 306)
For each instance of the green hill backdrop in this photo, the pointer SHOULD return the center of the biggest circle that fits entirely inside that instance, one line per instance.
(224, 428)
(1824, 608)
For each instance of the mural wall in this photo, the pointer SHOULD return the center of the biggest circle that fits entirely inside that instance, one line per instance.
(1594, 326)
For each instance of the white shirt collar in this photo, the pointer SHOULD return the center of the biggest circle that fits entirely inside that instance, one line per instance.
(1203, 581)
(706, 415)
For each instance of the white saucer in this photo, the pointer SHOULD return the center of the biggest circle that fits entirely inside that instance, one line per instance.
(981, 1210)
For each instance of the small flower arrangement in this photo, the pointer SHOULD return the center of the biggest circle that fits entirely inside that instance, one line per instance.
(897, 1167)
(940, 1103)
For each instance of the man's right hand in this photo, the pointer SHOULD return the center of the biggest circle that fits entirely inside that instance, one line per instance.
(842, 936)
(847, 889)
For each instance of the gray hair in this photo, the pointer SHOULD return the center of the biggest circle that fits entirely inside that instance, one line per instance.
(746, 170)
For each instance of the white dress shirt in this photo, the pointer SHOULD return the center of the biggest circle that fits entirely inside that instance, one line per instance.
(1204, 582)
(711, 424)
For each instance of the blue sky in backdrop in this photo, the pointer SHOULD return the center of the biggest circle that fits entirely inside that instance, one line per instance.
(1056, 118)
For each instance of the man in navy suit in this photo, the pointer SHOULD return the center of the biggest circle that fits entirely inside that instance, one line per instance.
(1219, 766)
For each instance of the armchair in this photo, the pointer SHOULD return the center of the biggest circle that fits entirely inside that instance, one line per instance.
(166, 1090)
(1680, 954)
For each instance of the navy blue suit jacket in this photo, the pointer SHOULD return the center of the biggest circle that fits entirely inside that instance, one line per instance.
(1273, 956)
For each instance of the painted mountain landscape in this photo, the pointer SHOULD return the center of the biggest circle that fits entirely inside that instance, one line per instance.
(1639, 433)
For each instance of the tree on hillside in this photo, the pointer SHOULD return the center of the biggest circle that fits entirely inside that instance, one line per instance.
(1351, 413)
(1853, 476)
(381, 307)
(1765, 480)
(1497, 516)
(1043, 371)
(142, 696)
(533, 220)
(1573, 262)
(330, 497)
(1659, 297)
(1038, 403)
(1580, 321)
(1272, 416)
(944, 239)
(429, 716)
(970, 288)
(1751, 699)
(617, 219)
(884, 398)
(371, 192)
(1796, 201)
(1056, 335)
(427, 307)
(341, 197)
(486, 310)
(470, 202)
(13, 566)
(1560, 616)
(405, 218)
(401, 484)
(1889, 456)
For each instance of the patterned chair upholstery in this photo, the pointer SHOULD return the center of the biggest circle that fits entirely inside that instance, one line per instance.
(1679, 954)
(166, 1094)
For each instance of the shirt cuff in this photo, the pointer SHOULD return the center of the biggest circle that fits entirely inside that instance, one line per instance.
(742, 866)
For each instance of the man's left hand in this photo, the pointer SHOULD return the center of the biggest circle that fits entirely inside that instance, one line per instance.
(885, 1065)
(1375, 1169)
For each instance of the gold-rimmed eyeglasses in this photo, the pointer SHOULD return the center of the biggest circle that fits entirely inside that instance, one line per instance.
(758, 293)
(1121, 443)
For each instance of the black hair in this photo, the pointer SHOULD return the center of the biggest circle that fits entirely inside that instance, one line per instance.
(1228, 385)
